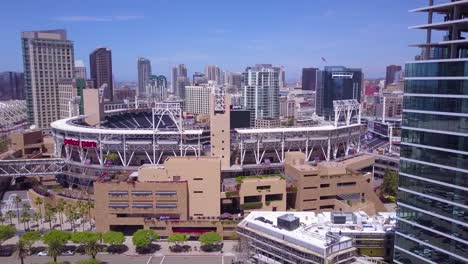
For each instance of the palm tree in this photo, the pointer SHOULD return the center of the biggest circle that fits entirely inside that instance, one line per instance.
(22, 249)
(91, 248)
(25, 218)
(39, 202)
(36, 217)
(55, 249)
(17, 201)
(49, 215)
(60, 207)
(89, 205)
(2, 218)
(10, 214)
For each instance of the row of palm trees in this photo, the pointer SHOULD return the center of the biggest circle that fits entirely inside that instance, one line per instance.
(66, 212)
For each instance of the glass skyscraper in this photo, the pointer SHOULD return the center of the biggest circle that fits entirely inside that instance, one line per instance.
(432, 213)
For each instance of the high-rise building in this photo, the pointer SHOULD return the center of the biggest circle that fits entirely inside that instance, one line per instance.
(144, 73)
(69, 93)
(80, 70)
(199, 78)
(197, 98)
(336, 83)
(309, 79)
(48, 57)
(182, 71)
(282, 77)
(156, 87)
(260, 91)
(213, 73)
(100, 62)
(11, 86)
(173, 79)
(432, 222)
(390, 75)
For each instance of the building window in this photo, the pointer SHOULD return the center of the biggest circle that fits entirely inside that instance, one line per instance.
(176, 178)
(197, 191)
(161, 205)
(198, 179)
(325, 185)
(310, 187)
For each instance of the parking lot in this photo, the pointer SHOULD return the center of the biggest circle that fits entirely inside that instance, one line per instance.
(10, 205)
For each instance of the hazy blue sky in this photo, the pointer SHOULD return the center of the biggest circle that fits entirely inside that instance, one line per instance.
(369, 34)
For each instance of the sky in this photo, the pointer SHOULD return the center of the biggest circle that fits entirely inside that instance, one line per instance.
(367, 34)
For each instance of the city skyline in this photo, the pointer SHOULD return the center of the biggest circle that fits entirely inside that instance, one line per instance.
(300, 29)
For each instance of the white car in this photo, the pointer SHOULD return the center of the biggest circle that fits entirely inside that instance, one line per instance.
(42, 253)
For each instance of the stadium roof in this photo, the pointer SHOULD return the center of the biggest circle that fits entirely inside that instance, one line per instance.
(67, 125)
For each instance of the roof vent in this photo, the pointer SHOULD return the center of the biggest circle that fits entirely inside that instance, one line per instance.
(288, 222)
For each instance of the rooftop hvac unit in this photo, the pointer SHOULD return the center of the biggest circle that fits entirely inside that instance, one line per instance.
(288, 222)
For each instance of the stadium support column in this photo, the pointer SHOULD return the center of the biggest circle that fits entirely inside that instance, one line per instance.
(154, 139)
(220, 138)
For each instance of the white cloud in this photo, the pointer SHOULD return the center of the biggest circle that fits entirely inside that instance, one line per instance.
(97, 18)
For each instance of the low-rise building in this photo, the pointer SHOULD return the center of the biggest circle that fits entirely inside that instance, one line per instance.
(307, 237)
(329, 186)
(181, 197)
(267, 123)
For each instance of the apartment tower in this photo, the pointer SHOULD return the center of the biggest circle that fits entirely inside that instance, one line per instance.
(432, 213)
(47, 58)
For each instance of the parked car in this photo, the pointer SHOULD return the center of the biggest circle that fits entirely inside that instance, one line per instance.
(68, 253)
(42, 253)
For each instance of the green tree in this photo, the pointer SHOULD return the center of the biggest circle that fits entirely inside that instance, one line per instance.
(390, 183)
(89, 205)
(36, 217)
(25, 218)
(39, 201)
(91, 248)
(113, 238)
(178, 238)
(30, 237)
(90, 261)
(210, 238)
(22, 250)
(60, 207)
(49, 215)
(17, 201)
(10, 215)
(55, 248)
(83, 237)
(55, 240)
(144, 237)
(6, 232)
(2, 219)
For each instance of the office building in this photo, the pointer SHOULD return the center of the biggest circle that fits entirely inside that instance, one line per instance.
(432, 223)
(156, 88)
(11, 86)
(199, 78)
(197, 98)
(100, 62)
(213, 73)
(42, 52)
(336, 83)
(144, 74)
(173, 79)
(260, 91)
(390, 75)
(183, 196)
(309, 79)
(308, 237)
(80, 70)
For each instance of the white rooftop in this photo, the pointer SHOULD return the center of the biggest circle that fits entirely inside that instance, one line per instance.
(312, 233)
